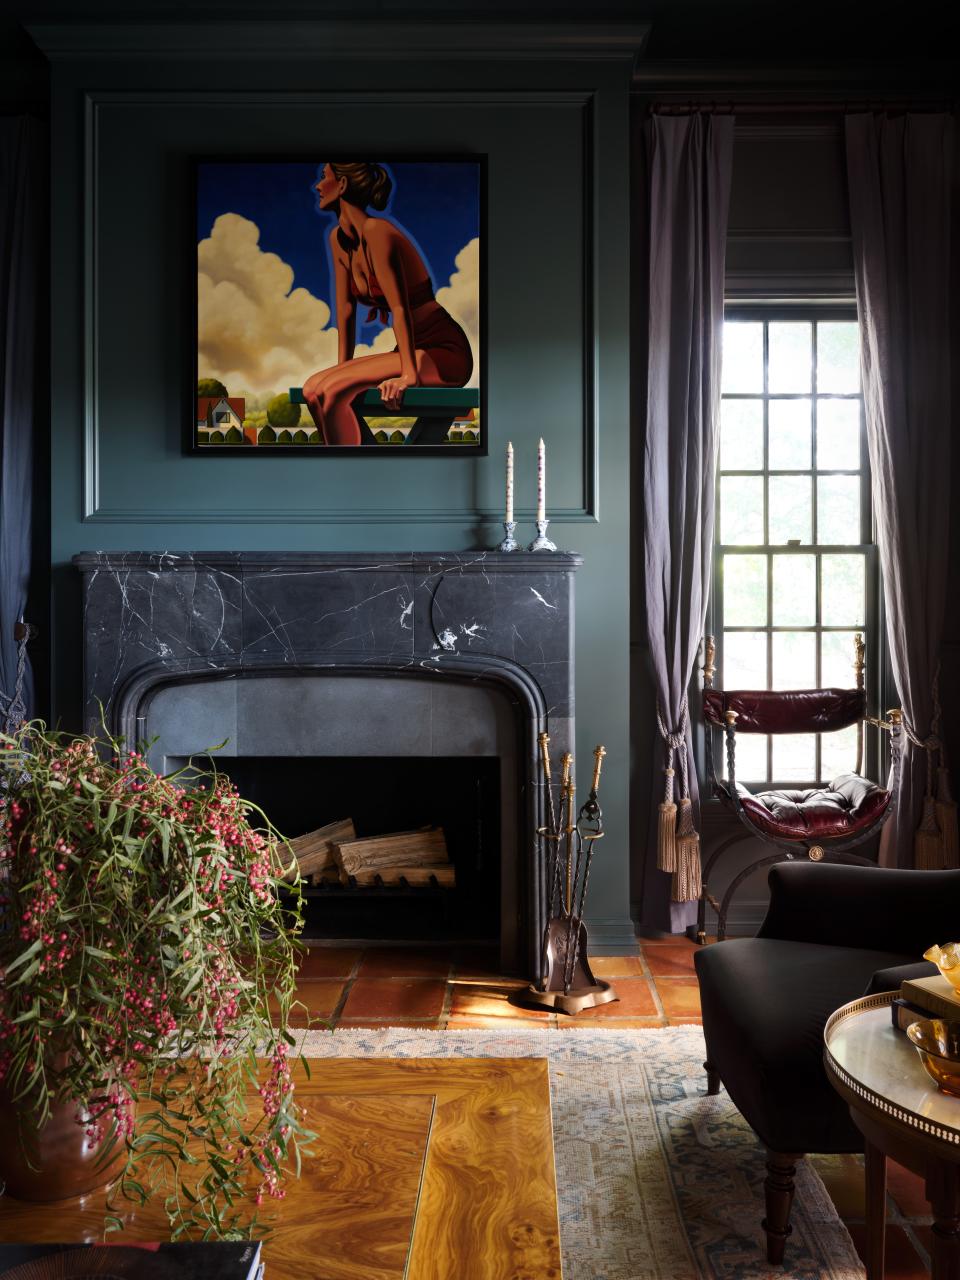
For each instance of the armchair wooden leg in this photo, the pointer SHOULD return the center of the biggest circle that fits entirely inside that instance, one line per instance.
(778, 1192)
(713, 1078)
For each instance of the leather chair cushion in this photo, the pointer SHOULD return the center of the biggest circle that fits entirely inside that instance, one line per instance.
(846, 806)
(765, 1002)
(785, 710)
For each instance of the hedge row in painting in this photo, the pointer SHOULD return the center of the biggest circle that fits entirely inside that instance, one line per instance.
(339, 306)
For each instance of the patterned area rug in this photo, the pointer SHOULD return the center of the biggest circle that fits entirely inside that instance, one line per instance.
(656, 1180)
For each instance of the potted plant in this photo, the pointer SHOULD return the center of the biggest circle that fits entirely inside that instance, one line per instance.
(147, 970)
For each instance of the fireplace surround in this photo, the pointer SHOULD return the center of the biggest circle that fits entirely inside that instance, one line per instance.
(337, 656)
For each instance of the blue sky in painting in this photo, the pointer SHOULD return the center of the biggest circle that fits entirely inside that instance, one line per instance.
(436, 202)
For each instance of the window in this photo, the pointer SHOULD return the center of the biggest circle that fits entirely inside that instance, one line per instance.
(795, 569)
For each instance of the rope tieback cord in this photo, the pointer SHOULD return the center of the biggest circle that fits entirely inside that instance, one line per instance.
(678, 844)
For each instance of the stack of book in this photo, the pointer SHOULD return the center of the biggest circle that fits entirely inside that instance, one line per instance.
(203, 1260)
(932, 997)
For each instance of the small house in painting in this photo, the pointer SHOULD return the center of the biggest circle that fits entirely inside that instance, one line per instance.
(220, 413)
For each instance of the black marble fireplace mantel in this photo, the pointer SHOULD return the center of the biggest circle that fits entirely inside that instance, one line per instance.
(219, 629)
(209, 611)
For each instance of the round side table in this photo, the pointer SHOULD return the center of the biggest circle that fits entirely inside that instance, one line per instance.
(902, 1114)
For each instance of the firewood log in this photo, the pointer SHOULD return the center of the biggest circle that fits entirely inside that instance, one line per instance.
(404, 848)
(314, 851)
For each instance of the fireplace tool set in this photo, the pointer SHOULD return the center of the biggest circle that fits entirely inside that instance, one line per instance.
(567, 984)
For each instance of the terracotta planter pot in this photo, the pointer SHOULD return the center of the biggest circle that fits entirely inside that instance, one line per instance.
(63, 1165)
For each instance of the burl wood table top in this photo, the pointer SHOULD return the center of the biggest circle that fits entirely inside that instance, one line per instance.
(422, 1169)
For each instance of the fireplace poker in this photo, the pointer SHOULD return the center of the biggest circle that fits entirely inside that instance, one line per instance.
(587, 836)
(556, 878)
(551, 837)
(569, 828)
(544, 740)
(549, 832)
(570, 831)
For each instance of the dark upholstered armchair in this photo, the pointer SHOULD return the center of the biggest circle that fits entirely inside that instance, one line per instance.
(831, 934)
(822, 823)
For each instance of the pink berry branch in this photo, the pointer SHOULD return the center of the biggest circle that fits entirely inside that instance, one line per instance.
(147, 973)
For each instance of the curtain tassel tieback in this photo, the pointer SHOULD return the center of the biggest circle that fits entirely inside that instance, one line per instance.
(678, 844)
(686, 877)
(667, 828)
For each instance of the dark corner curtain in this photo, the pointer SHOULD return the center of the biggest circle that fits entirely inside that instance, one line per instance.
(689, 160)
(21, 157)
(899, 173)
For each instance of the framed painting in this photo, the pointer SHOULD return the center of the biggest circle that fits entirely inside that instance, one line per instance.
(339, 307)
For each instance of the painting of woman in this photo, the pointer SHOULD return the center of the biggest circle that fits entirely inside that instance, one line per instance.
(377, 265)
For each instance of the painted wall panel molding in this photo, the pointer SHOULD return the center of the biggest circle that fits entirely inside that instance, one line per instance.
(97, 506)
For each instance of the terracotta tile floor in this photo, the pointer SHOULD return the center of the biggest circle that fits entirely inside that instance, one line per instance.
(439, 988)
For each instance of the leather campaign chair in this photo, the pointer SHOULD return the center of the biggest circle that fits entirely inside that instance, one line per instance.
(822, 823)
(830, 935)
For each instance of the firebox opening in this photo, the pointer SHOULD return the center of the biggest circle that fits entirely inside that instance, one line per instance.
(384, 795)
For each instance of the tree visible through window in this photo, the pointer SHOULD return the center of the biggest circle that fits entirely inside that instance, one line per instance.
(794, 571)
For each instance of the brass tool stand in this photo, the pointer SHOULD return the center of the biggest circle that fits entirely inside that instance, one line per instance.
(568, 985)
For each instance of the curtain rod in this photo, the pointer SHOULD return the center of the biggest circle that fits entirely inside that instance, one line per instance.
(834, 106)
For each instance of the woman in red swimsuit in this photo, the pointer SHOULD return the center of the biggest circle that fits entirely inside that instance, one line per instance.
(376, 265)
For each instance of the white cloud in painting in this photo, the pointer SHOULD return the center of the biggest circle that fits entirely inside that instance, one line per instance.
(256, 331)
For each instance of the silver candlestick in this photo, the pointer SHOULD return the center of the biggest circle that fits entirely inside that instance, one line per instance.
(509, 543)
(541, 542)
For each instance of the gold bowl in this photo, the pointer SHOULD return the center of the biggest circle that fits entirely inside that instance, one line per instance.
(938, 1044)
(947, 960)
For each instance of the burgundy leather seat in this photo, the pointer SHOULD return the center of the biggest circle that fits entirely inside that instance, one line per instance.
(842, 808)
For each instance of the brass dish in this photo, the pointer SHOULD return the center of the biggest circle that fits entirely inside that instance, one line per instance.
(947, 960)
(938, 1044)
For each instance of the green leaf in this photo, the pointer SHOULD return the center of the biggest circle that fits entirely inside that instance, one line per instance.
(193, 981)
(24, 956)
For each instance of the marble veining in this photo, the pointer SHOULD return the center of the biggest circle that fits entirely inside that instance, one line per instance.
(228, 611)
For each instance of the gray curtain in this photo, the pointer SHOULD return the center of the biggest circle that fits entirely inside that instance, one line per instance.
(689, 159)
(899, 173)
(20, 221)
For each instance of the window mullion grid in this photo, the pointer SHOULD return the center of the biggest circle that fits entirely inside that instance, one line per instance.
(816, 550)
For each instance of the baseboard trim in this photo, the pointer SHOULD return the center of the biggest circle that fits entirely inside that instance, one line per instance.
(612, 936)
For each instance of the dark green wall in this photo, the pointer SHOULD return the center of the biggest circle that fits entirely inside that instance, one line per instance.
(555, 131)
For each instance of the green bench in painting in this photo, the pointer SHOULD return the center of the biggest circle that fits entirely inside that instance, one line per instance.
(435, 410)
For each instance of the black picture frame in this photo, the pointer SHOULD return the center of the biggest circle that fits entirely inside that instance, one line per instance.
(447, 411)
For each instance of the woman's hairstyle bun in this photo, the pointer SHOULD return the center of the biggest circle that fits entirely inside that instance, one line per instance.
(367, 184)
